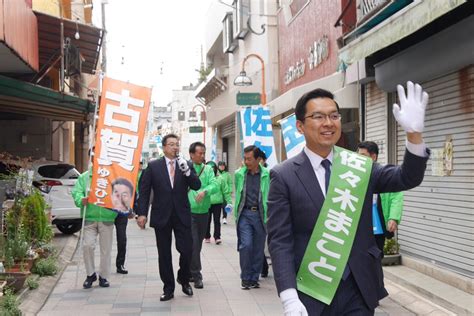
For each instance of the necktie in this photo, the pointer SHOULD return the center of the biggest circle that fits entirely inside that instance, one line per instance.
(172, 170)
(327, 175)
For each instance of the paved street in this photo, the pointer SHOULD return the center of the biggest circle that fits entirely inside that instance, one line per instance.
(138, 292)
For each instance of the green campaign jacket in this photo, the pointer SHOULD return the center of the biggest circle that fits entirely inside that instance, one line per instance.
(392, 206)
(94, 213)
(240, 175)
(208, 183)
(223, 194)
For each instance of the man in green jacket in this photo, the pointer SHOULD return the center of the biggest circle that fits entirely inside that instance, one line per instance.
(200, 201)
(98, 221)
(252, 183)
(389, 205)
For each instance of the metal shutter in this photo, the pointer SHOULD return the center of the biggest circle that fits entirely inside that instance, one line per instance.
(376, 118)
(438, 217)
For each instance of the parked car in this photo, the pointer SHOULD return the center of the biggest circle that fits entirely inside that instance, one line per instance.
(56, 180)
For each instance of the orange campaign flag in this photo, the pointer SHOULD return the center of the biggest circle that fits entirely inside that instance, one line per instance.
(123, 115)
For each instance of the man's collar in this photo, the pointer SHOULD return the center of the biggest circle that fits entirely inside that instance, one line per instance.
(316, 159)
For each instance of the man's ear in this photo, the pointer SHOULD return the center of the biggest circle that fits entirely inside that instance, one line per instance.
(300, 127)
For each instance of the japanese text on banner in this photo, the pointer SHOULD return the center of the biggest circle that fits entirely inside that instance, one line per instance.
(119, 138)
(256, 127)
(294, 141)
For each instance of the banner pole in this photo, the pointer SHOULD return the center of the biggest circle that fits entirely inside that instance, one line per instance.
(91, 154)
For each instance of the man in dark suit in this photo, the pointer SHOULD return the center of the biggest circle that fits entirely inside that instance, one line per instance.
(297, 193)
(170, 178)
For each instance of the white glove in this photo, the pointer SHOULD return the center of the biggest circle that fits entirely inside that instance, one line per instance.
(292, 305)
(183, 166)
(411, 116)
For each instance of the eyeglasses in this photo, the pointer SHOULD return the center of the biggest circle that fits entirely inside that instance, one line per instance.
(320, 117)
(173, 144)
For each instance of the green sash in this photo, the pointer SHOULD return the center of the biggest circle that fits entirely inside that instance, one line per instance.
(331, 241)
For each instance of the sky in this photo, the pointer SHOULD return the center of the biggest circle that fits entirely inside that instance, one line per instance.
(154, 43)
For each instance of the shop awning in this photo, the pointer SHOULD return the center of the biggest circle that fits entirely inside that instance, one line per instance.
(403, 23)
(24, 98)
(49, 39)
(346, 96)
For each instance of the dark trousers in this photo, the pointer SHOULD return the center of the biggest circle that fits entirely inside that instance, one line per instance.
(348, 300)
(198, 228)
(380, 241)
(121, 230)
(214, 212)
(224, 213)
(183, 237)
(251, 244)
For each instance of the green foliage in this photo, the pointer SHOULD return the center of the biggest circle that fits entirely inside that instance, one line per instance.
(28, 212)
(45, 267)
(9, 305)
(391, 247)
(32, 283)
(203, 73)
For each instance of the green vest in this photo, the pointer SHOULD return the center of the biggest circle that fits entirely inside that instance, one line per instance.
(208, 183)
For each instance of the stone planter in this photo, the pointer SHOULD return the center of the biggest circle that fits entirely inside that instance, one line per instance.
(391, 260)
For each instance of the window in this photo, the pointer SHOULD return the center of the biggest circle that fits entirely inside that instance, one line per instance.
(230, 45)
(240, 18)
(59, 171)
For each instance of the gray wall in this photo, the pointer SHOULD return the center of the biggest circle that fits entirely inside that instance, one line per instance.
(37, 132)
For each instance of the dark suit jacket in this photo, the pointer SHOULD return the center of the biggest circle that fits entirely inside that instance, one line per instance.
(166, 199)
(294, 203)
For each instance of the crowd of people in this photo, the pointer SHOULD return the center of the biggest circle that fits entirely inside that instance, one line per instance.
(293, 207)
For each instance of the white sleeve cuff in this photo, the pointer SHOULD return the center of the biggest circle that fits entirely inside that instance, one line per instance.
(288, 294)
(187, 173)
(416, 149)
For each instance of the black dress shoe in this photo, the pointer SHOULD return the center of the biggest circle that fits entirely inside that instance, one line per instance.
(122, 270)
(103, 282)
(166, 297)
(198, 284)
(89, 280)
(187, 289)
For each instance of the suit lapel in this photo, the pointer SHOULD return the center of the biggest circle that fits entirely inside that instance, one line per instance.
(305, 173)
(164, 168)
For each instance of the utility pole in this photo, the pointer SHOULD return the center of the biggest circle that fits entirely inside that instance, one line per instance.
(104, 38)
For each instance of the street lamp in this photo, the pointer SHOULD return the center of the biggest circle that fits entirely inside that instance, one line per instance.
(203, 116)
(243, 80)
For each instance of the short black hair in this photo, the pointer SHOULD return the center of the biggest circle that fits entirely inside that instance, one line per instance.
(261, 154)
(300, 109)
(252, 148)
(165, 139)
(213, 165)
(192, 147)
(123, 181)
(371, 147)
(222, 163)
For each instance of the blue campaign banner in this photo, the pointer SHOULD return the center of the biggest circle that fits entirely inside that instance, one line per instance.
(376, 222)
(294, 141)
(214, 146)
(256, 129)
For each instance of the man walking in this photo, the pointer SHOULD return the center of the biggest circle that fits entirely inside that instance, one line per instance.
(324, 247)
(251, 192)
(200, 203)
(99, 221)
(170, 177)
(388, 206)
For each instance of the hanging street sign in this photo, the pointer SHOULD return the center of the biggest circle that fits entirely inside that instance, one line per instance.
(248, 98)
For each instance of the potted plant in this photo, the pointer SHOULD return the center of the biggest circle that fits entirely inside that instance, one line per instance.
(391, 252)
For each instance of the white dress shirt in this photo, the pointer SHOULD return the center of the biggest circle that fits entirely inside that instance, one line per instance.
(168, 167)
